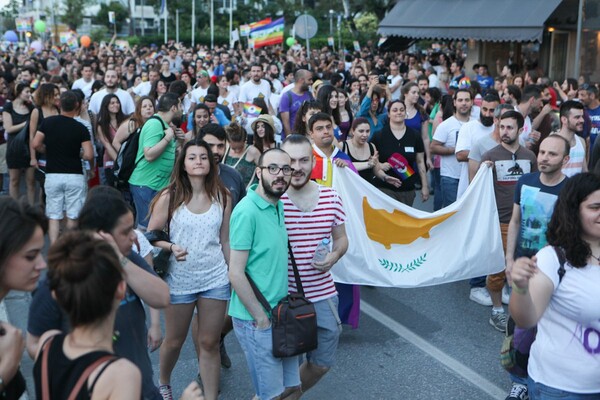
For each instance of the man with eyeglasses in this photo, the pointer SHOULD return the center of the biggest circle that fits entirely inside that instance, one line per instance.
(314, 213)
(509, 161)
(259, 249)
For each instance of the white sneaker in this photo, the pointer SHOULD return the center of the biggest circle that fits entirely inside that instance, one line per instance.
(480, 295)
(505, 295)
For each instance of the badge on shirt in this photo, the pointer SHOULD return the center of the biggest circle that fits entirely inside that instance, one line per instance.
(409, 149)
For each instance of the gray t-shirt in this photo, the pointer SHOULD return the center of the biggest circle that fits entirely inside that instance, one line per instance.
(481, 146)
(233, 182)
(508, 168)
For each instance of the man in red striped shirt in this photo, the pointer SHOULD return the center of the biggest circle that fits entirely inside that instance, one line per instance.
(313, 213)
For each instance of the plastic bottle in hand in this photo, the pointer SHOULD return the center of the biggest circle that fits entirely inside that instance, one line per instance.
(321, 251)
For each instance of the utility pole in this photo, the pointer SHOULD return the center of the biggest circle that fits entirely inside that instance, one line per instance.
(177, 26)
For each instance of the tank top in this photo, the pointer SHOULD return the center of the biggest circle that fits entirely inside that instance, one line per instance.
(107, 161)
(205, 267)
(63, 372)
(366, 174)
(576, 159)
(240, 164)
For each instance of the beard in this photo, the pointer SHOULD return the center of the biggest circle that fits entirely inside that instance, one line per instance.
(486, 121)
(274, 193)
(303, 183)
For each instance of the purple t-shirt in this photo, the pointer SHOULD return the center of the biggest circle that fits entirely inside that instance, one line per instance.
(291, 102)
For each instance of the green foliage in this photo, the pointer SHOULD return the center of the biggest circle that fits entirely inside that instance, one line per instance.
(121, 14)
(73, 11)
(100, 34)
(367, 23)
(9, 12)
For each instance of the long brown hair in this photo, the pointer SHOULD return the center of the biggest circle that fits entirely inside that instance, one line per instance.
(137, 114)
(180, 188)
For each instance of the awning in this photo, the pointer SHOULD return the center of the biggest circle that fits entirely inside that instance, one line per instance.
(487, 20)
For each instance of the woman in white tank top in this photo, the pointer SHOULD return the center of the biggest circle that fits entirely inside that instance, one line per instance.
(194, 209)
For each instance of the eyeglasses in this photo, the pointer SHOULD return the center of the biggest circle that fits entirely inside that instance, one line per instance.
(274, 169)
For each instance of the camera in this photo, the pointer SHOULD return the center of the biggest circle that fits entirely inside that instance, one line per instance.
(382, 79)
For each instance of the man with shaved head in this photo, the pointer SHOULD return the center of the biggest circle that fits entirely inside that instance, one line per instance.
(292, 100)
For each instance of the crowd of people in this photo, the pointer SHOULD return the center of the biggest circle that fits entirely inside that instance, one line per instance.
(176, 177)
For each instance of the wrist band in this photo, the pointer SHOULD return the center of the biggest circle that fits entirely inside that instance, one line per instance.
(124, 261)
(171, 247)
(519, 290)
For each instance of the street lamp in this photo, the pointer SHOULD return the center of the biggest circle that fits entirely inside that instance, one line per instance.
(331, 12)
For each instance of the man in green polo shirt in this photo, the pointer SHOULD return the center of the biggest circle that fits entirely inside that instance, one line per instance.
(258, 242)
(155, 157)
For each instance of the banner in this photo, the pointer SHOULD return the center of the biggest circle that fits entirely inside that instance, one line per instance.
(111, 17)
(269, 34)
(330, 41)
(23, 24)
(393, 245)
(245, 30)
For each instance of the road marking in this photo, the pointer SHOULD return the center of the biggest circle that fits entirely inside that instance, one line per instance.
(454, 365)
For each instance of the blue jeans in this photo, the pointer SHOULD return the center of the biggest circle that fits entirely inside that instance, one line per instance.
(437, 189)
(270, 375)
(449, 190)
(142, 197)
(329, 328)
(539, 391)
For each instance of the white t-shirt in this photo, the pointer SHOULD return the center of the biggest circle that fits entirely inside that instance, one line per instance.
(250, 90)
(143, 89)
(447, 134)
(566, 351)
(86, 87)
(434, 81)
(127, 104)
(228, 101)
(469, 134)
(277, 85)
(395, 79)
(198, 95)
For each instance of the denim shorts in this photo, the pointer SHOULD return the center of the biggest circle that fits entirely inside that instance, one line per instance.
(539, 391)
(142, 197)
(65, 193)
(329, 328)
(270, 375)
(219, 293)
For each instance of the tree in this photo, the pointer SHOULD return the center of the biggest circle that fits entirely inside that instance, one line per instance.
(73, 11)
(9, 12)
(121, 14)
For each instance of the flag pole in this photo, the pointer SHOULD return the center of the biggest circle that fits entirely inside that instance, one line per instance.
(165, 15)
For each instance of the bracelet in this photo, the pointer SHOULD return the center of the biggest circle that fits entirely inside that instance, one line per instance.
(519, 290)
(171, 247)
(123, 261)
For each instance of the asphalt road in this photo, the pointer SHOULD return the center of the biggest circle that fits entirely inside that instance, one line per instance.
(424, 343)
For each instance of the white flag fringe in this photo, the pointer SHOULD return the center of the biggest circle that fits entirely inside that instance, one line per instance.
(393, 245)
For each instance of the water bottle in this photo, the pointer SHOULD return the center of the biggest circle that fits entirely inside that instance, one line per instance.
(321, 251)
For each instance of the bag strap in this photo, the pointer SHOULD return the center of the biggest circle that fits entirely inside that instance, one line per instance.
(560, 253)
(296, 273)
(86, 374)
(45, 385)
(259, 296)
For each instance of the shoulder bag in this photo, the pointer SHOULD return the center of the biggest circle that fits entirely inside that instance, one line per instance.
(293, 319)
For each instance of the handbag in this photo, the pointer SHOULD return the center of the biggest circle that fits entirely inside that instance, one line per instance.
(160, 261)
(293, 319)
(19, 143)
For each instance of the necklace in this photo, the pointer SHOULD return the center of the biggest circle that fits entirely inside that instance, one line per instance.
(595, 258)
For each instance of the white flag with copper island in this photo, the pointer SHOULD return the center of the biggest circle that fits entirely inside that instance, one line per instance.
(393, 245)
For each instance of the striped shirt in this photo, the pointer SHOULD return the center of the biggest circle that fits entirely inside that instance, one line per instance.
(305, 231)
(576, 159)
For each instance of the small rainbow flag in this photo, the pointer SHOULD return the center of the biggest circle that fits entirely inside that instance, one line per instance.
(401, 166)
(252, 110)
(269, 34)
(34, 84)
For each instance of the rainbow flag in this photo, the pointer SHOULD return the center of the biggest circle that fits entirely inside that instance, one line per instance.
(269, 34)
(259, 24)
(252, 110)
(401, 166)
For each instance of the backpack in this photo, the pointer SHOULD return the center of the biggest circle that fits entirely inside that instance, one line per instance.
(127, 157)
(514, 355)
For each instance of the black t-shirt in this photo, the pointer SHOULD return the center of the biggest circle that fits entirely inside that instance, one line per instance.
(233, 182)
(63, 137)
(401, 154)
(130, 322)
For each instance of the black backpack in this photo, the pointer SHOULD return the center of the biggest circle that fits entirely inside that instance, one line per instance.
(126, 158)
